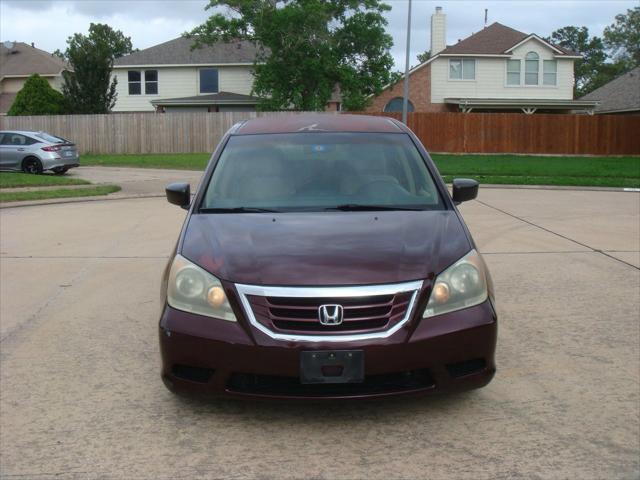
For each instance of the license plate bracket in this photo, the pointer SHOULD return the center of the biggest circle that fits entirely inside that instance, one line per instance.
(332, 366)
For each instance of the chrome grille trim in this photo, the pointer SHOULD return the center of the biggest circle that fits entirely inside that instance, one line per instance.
(336, 292)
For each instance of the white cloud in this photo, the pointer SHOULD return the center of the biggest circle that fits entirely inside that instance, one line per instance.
(48, 23)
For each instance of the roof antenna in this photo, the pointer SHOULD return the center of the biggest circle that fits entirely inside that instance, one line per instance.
(486, 12)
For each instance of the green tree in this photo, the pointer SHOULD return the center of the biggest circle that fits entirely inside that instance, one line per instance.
(423, 57)
(37, 98)
(623, 38)
(591, 71)
(307, 48)
(89, 88)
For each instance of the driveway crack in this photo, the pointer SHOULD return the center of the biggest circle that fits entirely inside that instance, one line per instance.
(596, 250)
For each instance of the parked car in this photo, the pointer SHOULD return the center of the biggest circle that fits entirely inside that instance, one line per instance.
(323, 257)
(35, 152)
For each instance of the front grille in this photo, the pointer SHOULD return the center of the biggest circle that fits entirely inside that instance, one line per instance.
(300, 314)
(413, 380)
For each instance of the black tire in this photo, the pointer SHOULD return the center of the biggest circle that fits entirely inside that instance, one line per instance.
(60, 171)
(32, 165)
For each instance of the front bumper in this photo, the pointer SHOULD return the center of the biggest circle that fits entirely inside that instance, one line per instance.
(451, 352)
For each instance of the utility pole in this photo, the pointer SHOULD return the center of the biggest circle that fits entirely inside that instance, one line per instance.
(405, 99)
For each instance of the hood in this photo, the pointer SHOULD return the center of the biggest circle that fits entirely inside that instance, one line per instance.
(325, 248)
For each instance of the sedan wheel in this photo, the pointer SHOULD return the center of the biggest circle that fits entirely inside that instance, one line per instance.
(60, 170)
(32, 165)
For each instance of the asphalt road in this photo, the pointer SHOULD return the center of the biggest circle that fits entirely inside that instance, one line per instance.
(81, 397)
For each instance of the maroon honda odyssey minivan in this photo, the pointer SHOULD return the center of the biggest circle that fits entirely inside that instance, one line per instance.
(323, 257)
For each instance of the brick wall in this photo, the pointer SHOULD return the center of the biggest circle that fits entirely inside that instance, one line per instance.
(419, 93)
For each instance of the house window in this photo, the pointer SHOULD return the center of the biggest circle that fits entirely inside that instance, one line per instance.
(550, 72)
(134, 82)
(209, 80)
(531, 68)
(151, 82)
(513, 72)
(462, 69)
(395, 105)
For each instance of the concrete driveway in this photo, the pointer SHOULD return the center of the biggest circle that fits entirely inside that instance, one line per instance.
(137, 181)
(81, 397)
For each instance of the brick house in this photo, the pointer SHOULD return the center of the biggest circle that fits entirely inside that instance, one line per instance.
(495, 69)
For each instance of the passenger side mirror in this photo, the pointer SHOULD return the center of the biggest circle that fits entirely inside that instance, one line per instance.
(179, 194)
(464, 189)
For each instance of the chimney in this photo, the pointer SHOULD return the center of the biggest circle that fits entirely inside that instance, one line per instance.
(438, 31)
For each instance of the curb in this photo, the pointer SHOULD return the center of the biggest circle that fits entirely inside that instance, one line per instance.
(37, 203)
(559, 187)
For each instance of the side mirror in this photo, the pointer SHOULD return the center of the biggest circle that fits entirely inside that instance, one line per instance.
(179, 194)
(464, 189)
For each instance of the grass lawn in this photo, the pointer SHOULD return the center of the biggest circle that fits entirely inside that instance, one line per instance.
(59, 193)
(497, 169)
(14, 179)
(182, 161)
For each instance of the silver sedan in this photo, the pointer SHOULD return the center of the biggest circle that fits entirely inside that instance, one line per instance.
(35, 152)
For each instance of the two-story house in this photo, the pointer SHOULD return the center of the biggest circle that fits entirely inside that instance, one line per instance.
(495, 69)
(18, 61)
(173, 77)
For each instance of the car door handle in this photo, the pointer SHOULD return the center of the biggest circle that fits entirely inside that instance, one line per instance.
(21, 149)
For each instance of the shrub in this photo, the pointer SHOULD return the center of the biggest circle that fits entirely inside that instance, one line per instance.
(37, 97)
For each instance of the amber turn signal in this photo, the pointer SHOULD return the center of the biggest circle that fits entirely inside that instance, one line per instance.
(215, 296)
(441, 292)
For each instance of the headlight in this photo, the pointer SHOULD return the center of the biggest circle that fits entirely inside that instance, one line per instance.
(462, 285)
(192, 289)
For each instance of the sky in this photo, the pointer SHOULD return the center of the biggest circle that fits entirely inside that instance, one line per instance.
(48, 23)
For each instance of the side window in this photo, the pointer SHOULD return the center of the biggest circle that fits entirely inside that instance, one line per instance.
(16, 139)
(134, 78)
(513, 72)
(462, 69)
(549, 72)
(455, 69)
(469, 69)
(30, 141)
(151, 82)
(208, 80)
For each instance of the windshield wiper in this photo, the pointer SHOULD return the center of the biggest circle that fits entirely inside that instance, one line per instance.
(355, 207)
(237, 210)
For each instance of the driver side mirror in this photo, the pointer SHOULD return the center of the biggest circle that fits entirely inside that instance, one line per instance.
(464, 189)
(179, 194)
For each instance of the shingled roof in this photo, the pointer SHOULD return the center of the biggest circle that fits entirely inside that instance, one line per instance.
(496, 39)
(621, 94)
(178, 52)
(23, 60)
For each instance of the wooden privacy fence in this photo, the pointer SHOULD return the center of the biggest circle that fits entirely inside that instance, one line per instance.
(186, 132)
(519, 133)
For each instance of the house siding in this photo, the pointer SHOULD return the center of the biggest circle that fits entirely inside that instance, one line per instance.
(491, 78)
(177, 82)
(14, 85)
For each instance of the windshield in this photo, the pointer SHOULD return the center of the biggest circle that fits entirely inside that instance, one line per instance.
(321, 171)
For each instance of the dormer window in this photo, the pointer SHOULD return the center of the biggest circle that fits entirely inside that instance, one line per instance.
(531, 68)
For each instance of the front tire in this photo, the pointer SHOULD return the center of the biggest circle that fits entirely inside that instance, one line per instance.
(32, 165)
